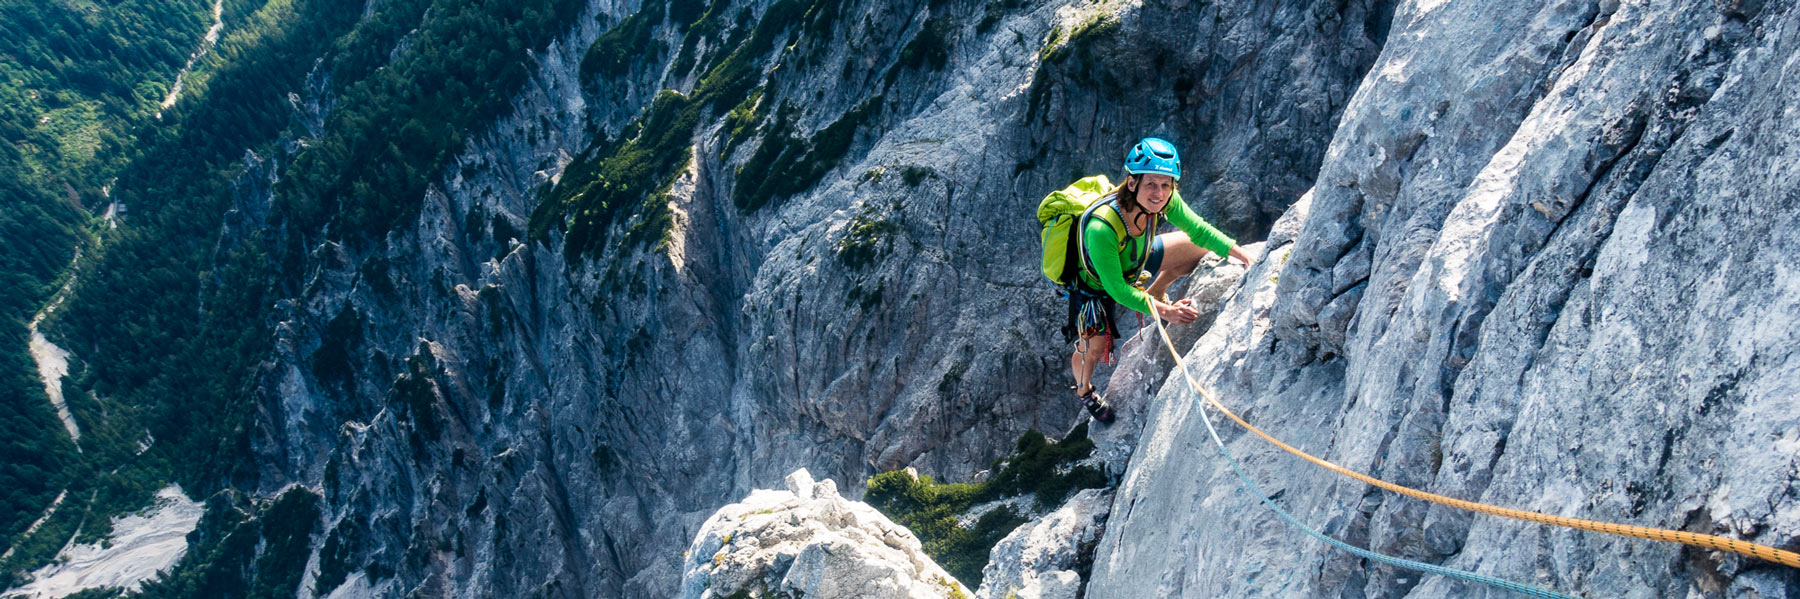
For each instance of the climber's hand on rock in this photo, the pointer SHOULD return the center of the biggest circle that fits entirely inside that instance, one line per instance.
(1180, 312)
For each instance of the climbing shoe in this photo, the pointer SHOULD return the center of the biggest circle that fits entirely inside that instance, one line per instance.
(1097, 407)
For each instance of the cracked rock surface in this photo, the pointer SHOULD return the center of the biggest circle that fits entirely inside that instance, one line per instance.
(1042, 558)
(1534, 253)
(1547, 264)
(808, 541)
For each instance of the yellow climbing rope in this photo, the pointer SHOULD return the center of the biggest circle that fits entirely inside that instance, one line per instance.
(1762, 552)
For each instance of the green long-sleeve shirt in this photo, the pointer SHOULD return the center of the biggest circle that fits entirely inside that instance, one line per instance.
(1099, 241)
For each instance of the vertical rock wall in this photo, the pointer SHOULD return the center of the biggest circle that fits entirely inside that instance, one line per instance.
(1545, 265)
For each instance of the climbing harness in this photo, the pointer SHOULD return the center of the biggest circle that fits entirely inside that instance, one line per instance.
(1358, 551)
(1091, 319)
(1762, 552)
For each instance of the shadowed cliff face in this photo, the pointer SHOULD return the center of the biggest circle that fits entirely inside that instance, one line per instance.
(513, 421)
(1545, 265)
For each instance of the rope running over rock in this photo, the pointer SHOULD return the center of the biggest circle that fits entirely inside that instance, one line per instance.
(1763, 552)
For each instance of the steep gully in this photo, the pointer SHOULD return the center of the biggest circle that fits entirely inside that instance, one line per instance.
(206, 44)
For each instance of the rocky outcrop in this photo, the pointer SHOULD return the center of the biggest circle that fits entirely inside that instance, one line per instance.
(808, 541)
(1044, 559)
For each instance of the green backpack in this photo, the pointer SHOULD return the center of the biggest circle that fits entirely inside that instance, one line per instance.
(1060, 213)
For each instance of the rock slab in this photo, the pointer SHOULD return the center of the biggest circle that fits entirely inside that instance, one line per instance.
(808, 541)
(1042, 559)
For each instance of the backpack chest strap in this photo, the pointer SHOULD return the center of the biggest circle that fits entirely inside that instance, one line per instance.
(1115, 220)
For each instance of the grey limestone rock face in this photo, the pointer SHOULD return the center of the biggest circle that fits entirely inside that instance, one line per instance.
(1546, 265)
(1538, 255)
(808, 541)
(519, 423)
(1046, 558)
(1041, 559)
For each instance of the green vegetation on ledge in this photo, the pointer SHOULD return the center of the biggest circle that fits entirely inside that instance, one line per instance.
(867, 239)
(930, 510)
(1074, 54)
(784, 164)
(625, 182)
(625, 44)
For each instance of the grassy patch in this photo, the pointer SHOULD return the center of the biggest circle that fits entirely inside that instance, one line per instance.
(1080, 40)
(784, 164)
(867, 240)
(708, 26)
(743, 119)
(1073, 53)
(627, 179)
(614, 182)
(950, 588)
(930, 511)
(1039, 468)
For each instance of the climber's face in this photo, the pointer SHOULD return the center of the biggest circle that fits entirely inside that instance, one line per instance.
(1153, 191)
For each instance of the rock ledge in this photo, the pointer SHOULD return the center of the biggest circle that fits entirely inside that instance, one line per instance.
(808, 541)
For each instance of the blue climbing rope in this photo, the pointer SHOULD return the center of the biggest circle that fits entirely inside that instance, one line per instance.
(1386, 559)
(1289, 518)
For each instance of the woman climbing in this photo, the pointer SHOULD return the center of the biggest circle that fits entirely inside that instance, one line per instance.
(1121, 252)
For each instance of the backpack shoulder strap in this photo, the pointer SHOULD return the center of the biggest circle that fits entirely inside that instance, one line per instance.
(1115, 220)
(1108, 215)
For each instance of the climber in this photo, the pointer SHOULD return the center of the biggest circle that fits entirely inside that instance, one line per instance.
(1111, 261)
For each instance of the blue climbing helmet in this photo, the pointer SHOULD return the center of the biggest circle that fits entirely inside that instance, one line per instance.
(1154, 155)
